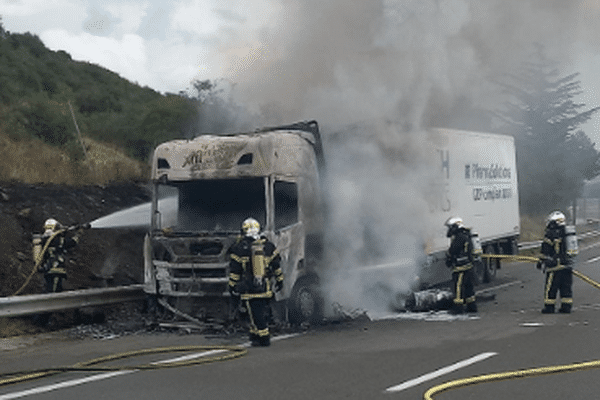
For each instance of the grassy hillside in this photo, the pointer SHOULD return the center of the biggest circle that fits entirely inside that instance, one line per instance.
(33, 161)
(44, 92)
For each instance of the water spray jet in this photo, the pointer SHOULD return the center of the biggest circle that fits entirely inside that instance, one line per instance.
(138, 216)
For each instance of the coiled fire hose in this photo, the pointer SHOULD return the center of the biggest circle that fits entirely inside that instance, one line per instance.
(524, 373)
(231, 352)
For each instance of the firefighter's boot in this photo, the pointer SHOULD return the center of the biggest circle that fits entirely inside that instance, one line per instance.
(472, 307)
(565, 308)
(548, 309)
(456, 309)
(264, 341)
(254, 340)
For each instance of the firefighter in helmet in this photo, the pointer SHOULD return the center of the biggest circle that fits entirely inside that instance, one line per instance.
(559, 248)
(460, 258)
(50, 250)
(254, 264)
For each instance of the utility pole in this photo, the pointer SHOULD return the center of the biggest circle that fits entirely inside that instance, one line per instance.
(78, 132)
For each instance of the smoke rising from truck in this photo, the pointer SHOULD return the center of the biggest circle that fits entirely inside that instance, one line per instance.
(418, 63)
(416, 60)
(377, 210)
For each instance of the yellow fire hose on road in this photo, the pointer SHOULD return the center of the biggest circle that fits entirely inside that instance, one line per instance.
(90, 366)
(535, 260)
(512, 257)
(524, 373)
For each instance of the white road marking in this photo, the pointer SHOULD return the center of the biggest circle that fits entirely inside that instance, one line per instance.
(440, 372)
(75, 382)
(429, 316)
(497, 287)
(532, 324)
(190, 357)
(591, 260)
(62, 385)
(282, 337)
(590, 246)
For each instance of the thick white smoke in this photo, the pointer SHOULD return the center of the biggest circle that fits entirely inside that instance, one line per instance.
(377, 178)
(418, 63)
(338, 62)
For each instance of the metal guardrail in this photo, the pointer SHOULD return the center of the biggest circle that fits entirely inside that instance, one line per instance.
(38, 303)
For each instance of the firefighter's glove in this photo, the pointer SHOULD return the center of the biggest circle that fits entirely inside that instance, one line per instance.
(448, 262)
(540, 265)
(81, 228)
(243, 287)
(551, 262)
(278, 286)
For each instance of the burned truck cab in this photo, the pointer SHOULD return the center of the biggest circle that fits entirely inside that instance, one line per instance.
(202, 191)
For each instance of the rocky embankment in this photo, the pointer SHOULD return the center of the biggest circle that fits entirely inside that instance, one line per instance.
(104, 257)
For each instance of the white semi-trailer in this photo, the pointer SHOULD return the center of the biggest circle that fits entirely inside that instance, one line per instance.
(478, 182)
(204, 188)
(396, 190)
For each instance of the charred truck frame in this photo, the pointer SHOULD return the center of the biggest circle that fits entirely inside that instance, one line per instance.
(202, 191)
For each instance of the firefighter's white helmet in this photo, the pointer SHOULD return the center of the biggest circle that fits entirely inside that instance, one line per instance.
(251, 227)
(557, 217)
(51, 225)
(454, 221)
(453, 224)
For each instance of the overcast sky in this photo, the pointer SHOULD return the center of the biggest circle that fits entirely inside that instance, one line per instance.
(337, 57)
(161, 44)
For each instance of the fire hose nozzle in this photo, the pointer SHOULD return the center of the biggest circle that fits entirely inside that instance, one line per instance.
(79, 226)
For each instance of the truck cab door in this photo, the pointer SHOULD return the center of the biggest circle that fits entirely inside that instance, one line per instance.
(289, 232)
(290, 243)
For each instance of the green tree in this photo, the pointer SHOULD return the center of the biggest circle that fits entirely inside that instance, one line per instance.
(170, 117)
(47, 120)
(2, 31)
(554, 156)
(218, 112)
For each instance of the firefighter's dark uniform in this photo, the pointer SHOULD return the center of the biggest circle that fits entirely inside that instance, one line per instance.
(253, 264)
(53, 263)
(459, 258)
(558, 266)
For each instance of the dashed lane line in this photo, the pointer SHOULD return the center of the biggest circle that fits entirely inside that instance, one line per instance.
(439, 372)
(62, 385)
(491, 289)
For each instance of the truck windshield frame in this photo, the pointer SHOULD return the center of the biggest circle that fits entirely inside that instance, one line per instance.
(285, 195)
(214, 205)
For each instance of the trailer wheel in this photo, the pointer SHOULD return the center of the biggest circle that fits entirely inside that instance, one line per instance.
(490, 265)
(479, 272)
(305, 303)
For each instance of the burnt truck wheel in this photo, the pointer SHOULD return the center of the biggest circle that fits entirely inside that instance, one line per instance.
(490, 265)
(479, 272)
(305, 303)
